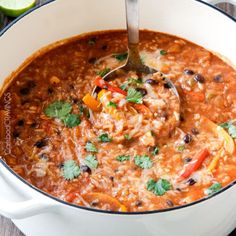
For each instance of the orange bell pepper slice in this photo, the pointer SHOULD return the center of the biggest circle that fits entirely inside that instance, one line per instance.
(91, 102)
(104, 198)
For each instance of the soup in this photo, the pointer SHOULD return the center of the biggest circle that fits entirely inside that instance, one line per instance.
(132, 147)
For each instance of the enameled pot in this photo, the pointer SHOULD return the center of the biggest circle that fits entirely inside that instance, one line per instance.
(35, 212)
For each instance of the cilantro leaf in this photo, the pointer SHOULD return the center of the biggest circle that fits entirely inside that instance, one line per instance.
(71, 120)
(103, 72)
(133, 81)
(104, 138)
(83, 110)
(127, 137)
(214, 188)
(163, 52)
(180, 148)
(231, 128)
(160, 187)
(112, 104)
(124, 86)
(121, 56)
(91, 162)
(70, 170)
(155, 151)
(134, 96)
(58, 109)
(90, 147)
(232, 131)
(123, 158)
(143, 161)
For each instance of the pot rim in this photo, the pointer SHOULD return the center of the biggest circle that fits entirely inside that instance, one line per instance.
(2, 32)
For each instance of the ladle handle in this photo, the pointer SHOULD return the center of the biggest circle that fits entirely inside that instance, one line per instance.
(132, 19)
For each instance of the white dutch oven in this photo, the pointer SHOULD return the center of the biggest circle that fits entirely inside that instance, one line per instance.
(36, 213)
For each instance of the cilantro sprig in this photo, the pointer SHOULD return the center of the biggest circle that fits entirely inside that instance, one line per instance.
(121, 56)
(160, 187)
(112, 104)
(70, 170)
(143, 162)
(104, 138)
(58, 109)
(134, 96)
(103, 72)
(61, 110)
(91, 162)
(90, 147)
(214, 188)
(230, 127)
(122, 158)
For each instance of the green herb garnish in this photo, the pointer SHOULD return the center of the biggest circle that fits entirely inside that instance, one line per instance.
(70, 170)
(181, 148)
(112, 104)
(103, 72)
(104, 138)
(58, 109)
(160, 187)
(163, 52)
(121, 56)
(155, 151)
(90, 147)
(123, 158)
(127, 137)
(92, 41)
(134, 96)
(84, 111)
(133, 81)
(214, 188)
(143, 161)
(91, 161)
(230, 127)
(124, 86)
(71, 120)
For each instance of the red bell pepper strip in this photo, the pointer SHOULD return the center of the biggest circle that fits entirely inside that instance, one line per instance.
(100, 82)
(194, 165)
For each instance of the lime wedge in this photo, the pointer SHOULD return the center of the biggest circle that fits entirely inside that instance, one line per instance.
(15, 8)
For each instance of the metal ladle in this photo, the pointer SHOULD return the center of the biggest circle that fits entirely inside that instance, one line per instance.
(134, 62)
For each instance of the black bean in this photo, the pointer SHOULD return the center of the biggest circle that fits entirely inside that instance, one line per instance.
(188, 72)
(33, 125)
(195, 131)
(85, 168)
(44, 156)
(179, 189)
(31, 84)
(187, 159)
(94, 202)
(167, 85)
(92, 60)
(181, 117)
(61, 165)
(50, 90)
(138, 203)
(187, 138)
(16, 134)
(71, 86)
(191, 182)
(24, 91)
(199, 78)
(169, 203)
(41, 143)
(20, 122)
(218, 78)
(75, 100)
(142, 91)
(104, 47)
(151, 81)
(111, 178)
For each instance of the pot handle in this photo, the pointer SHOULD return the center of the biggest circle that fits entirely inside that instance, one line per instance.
(36, 204)
(220, 1)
